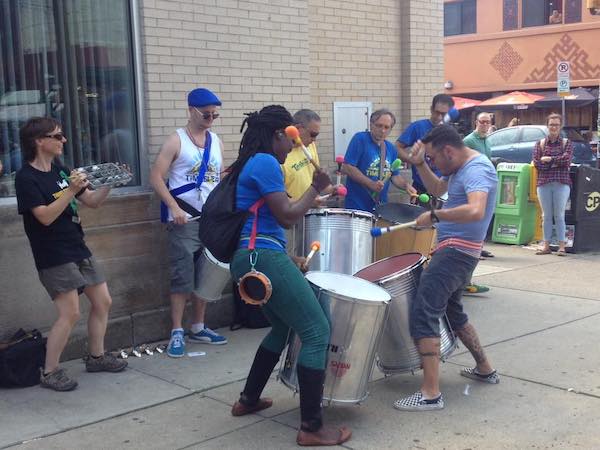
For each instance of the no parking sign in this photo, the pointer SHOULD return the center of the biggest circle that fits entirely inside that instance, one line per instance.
(563, 78)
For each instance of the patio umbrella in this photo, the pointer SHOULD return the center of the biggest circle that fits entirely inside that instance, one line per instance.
(513, 100)
(577, 97)
(464, 103)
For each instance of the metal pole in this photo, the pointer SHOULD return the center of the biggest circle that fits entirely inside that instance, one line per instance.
(564, 116)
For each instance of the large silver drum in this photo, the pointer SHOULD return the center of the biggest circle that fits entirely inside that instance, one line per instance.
(345, 237)
(399, 276)
(356, 310)
(211, 277)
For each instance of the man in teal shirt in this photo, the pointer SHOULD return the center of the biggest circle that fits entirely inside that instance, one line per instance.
(477, 140)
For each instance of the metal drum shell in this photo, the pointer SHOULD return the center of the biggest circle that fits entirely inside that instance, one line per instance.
(211, 277)
(345, 236)
(397, 352)
(356, 328)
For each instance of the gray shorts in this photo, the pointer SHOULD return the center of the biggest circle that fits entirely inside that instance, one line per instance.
(71, 276)
(185, 248)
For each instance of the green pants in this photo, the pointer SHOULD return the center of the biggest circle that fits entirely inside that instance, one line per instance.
(293, 304)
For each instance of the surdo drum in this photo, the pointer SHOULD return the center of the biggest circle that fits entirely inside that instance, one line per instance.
(345, 237)
(356, 310)
(399, 276)
(211, 277)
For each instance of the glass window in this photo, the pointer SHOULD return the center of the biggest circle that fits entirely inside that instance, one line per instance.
(542, 12)
(71, 60)
(460, 17)
(532, 135)
(503, 137)
(508, 190)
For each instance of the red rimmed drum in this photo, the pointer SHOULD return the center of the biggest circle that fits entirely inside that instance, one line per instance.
(399, 275)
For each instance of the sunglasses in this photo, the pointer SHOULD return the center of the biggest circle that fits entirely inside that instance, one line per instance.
(57, 136)
(314, 135)
(208, 115)
(484, 122)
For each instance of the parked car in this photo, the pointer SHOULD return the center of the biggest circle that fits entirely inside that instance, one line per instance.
(515, 144)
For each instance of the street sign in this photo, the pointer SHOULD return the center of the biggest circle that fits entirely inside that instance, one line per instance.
(563, 78)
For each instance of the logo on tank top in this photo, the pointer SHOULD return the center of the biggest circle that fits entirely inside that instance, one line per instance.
(211, 175)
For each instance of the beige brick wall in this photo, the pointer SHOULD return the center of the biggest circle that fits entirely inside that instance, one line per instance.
(299, 53)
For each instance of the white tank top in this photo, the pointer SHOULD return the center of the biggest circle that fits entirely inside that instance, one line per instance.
(185, 168)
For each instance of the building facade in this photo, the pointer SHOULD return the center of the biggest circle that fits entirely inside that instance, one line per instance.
(116, 73)
(494, 46)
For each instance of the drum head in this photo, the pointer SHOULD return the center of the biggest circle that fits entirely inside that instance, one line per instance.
(389, 266)
(348, 286)
(399, 212)
(340, 212)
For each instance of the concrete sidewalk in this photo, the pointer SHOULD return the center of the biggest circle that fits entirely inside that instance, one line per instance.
(540, 324)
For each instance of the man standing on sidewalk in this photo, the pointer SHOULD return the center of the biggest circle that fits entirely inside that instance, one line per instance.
(191, 159)
(477, 140)
(471, 182)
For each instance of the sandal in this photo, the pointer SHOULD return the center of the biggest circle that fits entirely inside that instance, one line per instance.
(543, 252)
(561, 253)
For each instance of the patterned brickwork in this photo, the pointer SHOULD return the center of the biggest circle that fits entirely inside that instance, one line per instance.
(506, 61)
(567, 49)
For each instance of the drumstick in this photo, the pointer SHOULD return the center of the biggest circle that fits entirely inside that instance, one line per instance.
(340, 191)
(314, 248)
(293, 133)
(376, 232)
(339, 160)
(395, 166)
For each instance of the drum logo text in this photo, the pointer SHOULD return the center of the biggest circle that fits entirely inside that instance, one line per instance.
(338, 369)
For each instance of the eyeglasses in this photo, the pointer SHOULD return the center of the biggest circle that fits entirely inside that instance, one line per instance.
(554, 124)
(208, 115)
(484, 122)
(313, 135)
(57, 136)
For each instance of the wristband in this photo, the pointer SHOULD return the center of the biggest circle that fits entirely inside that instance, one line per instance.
(434, 217)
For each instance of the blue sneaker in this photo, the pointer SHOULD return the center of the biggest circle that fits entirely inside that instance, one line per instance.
(176, 348)
(207, 336)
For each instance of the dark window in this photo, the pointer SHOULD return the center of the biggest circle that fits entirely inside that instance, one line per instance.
(572, 11)
(71, 60)
(460, 17)
(506, 136)
(537, 12)
(510, 15)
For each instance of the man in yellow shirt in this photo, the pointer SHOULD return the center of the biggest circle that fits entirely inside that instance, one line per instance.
(297, 169)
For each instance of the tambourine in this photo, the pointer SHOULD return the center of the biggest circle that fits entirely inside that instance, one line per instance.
(255, 288)
(106, 174)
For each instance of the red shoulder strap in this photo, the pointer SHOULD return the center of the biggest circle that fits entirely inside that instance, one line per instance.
(254, 210)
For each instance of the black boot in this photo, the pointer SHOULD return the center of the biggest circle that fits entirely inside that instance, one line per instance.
(312, 432)
(262, 367)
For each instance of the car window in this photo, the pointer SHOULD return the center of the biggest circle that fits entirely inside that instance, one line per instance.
(503, 137)
(532, 135)
(14, 98)
(572, 134)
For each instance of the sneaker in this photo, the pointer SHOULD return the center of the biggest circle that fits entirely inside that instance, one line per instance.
(57, 380)
(416, 402)
(486, 254)
(476, 289)
(491, 378)
(176, 347)
(207, 336)
(105, 363)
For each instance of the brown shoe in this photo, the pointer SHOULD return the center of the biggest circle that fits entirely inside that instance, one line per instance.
(105, 363)
(239, 409)
(325, 436)
(57, 380)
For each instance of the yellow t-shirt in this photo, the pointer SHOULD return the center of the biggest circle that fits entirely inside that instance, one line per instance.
(298, 171)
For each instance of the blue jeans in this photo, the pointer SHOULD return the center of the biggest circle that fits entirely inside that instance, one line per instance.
(553, 200)
(440, 291)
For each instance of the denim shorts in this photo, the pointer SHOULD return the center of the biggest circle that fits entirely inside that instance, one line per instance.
(71, 276)
(185, 248)
(440, 292)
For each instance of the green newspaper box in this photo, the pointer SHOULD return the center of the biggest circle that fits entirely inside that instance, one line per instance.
(514, 220)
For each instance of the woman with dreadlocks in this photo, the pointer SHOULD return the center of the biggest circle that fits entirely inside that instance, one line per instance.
(292, 303)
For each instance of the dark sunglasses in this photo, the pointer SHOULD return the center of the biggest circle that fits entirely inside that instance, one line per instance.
(208, 115)
(314, 135)
(57, 136)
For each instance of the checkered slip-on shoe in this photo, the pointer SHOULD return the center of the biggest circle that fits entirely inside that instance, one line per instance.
(491, 378)
(416, 402)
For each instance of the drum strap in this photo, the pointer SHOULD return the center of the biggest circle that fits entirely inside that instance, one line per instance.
(254, 210)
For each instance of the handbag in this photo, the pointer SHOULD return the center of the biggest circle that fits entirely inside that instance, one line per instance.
(21, 359)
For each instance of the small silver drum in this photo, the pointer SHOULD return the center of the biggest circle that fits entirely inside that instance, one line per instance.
(211, 277)
(399, 275)
(345, 237)
(358, 309)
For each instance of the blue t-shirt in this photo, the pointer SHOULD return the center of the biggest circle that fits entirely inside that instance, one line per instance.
(477, 175)
(261, 176)
(415, 131)
(363, 153)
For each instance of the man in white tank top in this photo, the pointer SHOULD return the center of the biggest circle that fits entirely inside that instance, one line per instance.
(192, 174)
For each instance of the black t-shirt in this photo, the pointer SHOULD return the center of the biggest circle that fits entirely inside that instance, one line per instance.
(60, 242)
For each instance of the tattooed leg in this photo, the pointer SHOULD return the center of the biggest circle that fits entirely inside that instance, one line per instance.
(468, 336)
(429, 349)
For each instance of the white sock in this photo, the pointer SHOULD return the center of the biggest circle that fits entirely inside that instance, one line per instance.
(176, 329)
(197, 327)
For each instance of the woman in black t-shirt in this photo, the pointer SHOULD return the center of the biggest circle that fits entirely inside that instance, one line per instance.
(46, 193)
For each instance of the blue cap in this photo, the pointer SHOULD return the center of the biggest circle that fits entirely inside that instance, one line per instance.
(202, 97)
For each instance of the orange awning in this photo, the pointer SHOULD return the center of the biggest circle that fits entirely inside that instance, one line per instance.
(463, 103)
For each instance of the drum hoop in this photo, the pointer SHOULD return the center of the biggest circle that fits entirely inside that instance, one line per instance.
(394, 276)
(214, 260)
(340, 212)
(263, 279)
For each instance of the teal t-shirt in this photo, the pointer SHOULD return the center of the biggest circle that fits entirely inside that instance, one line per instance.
(476, 142)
